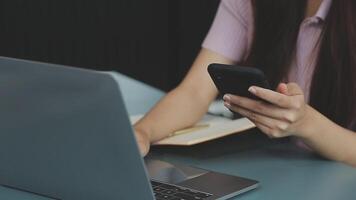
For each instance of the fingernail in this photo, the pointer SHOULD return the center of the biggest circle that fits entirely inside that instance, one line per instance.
(252, 90)
(227, 97)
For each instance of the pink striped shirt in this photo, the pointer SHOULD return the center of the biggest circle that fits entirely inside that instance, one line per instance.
(231, 35)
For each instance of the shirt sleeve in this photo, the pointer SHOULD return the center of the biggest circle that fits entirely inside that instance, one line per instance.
(228, 35)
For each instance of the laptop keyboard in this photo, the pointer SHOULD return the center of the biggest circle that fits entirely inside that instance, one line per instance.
(164, 191)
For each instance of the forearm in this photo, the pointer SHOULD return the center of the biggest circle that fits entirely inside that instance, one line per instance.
(330, 140)
(180, 108)
(185, 105)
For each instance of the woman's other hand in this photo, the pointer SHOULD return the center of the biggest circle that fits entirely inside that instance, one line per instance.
(143, 142)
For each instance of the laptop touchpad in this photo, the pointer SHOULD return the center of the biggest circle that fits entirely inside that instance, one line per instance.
(171, 173)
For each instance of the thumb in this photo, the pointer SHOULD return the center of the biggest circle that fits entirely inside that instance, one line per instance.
(294, 89)
(282, 88)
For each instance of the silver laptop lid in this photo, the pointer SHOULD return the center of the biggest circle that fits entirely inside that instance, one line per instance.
(65, 134)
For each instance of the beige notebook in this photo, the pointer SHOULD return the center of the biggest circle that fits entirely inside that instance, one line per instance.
(209, 128)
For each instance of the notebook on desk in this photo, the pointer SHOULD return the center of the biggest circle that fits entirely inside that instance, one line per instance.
(209, 128)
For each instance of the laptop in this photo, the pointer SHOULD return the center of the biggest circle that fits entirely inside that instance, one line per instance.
(65, 134)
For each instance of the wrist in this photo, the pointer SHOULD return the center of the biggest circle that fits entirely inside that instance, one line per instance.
(143, 133)
(310, 124)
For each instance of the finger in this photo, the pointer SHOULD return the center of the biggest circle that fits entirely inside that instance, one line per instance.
(268, 131)
(277, 126)
(293, 89)
(282, 88)
(265, 129)
(259, 107)
(271, 96)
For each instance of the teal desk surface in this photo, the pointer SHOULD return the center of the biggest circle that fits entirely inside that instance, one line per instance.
(284, 171)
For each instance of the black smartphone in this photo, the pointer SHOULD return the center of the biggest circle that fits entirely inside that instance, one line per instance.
(236, 80)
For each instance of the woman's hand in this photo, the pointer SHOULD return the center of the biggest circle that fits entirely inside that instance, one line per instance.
(143, 142)
(283, 114)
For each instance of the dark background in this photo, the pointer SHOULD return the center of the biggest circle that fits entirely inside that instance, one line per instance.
(154, 41)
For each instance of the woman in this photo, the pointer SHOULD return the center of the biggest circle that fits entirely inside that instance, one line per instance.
(307, 48)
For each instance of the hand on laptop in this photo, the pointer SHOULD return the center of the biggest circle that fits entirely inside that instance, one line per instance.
(143, 142)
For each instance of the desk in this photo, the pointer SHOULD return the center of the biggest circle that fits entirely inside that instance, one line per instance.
(284, 171)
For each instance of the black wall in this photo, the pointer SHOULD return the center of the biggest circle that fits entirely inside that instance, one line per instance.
(152, 40)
